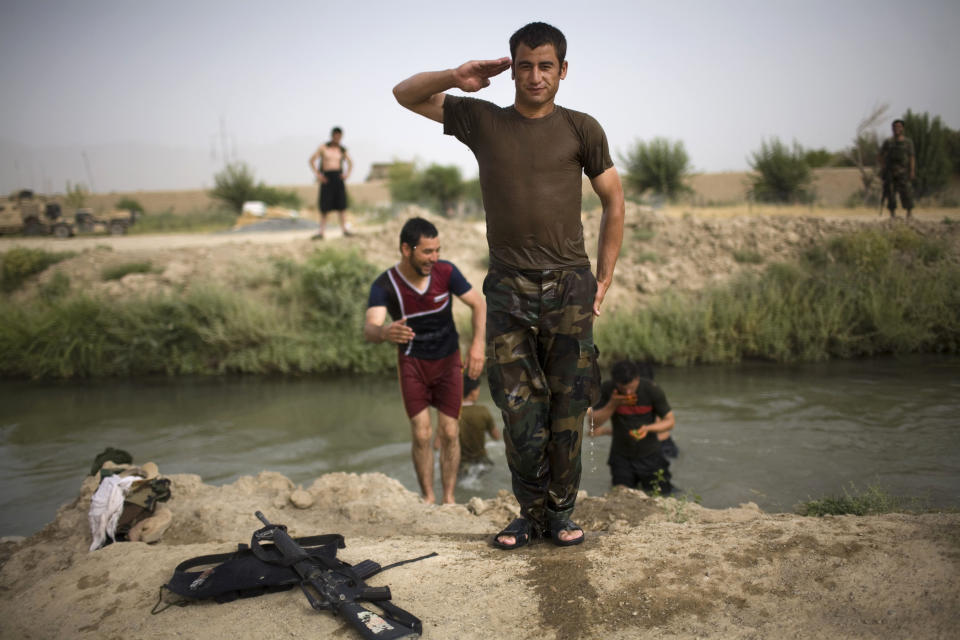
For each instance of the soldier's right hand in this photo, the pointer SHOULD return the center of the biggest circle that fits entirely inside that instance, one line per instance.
(475, 75)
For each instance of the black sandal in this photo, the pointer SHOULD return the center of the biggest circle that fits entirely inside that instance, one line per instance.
(565, 524)
(519, 529)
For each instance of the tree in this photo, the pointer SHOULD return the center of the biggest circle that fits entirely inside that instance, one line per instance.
(660, 165)
(439, 187)
(442, 186)
(817, 158)
(930, 146)
(236, 185)
(76, 195)
(783, 173)
(863, 154)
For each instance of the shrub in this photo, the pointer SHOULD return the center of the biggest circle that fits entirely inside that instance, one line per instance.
(20, 263)
(76, 195)
(442, 186)
(784, 175)
(235, 185)
(131, 204)
(817, 158)
(930, 146)
(873, 501)
(118, 271)
(659, 165)
(438, 187)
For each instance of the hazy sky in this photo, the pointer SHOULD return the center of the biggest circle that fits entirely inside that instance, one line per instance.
(149, 95)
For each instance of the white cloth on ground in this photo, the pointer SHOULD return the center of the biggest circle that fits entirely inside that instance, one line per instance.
(106, 506)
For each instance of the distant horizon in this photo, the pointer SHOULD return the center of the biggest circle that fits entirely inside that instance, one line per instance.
(125, 96)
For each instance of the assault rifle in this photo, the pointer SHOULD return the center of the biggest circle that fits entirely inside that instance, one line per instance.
(330, 585)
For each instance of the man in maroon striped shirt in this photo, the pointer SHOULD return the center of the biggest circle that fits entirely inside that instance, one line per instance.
(417, 294)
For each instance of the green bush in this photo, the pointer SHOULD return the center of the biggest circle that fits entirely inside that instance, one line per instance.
(438, 187)
(930, 139)
(783, 173)
(20, 263)
(660, 166)
(118, 271)
(76, 195)
(236, 184)
(131, 204)
(867, 293)
(309, 321)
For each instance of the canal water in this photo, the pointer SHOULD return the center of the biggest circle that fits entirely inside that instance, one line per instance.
(771, 434)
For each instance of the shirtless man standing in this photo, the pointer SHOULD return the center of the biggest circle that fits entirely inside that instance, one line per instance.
(332, 176)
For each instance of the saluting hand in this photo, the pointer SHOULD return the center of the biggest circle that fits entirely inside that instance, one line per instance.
(475, 75)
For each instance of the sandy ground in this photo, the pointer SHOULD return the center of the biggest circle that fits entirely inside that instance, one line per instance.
(650, 568)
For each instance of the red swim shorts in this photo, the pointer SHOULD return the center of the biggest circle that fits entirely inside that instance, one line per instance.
(437, 383)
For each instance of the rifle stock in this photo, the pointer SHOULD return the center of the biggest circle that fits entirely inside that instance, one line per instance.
(331, 590)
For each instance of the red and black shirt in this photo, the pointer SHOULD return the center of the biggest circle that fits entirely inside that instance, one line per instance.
(429, 312)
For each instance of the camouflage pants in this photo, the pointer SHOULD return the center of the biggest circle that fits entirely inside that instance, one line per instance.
(542, 367)
(894, 184)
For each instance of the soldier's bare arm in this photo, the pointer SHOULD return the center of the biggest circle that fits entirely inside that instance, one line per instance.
(607, 186)
(423, 93)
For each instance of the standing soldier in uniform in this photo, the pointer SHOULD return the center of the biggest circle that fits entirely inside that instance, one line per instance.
(898, 169)
(541, 293)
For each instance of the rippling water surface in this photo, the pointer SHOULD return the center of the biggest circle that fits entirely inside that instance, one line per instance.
(771, 434)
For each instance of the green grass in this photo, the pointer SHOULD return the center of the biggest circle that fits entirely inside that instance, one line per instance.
(19, 264)
(745, 256)
(199, 221)
(118, 271)
(308, 321)
(874, 500)
(868, 293)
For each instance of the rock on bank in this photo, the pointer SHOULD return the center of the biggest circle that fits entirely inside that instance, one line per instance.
(649, 569)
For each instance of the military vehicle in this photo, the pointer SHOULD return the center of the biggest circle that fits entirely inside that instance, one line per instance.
(115, 222)
(32, 215)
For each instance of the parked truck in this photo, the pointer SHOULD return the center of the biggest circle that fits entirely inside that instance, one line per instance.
(27, 213)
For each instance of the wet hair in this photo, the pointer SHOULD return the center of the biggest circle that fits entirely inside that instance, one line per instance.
(469, 384)
(537, 34)
(335, 131)
(416, 228)
(626, 371)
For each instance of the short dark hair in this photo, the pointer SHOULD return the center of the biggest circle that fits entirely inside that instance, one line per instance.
(626, 371)
(416, 228)
(469, 384)
(336, 130)
(537, 34)
(898, 120)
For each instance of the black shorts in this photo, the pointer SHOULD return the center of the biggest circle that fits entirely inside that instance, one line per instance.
(641, 473)
(333, 193)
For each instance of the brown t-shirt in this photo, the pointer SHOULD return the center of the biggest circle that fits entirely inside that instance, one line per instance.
(530, 176)
(475, 423)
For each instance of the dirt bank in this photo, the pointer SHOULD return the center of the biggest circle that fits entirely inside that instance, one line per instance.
(677, 249)
(649, 568)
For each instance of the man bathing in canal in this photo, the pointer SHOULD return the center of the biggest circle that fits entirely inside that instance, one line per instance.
(416, 292)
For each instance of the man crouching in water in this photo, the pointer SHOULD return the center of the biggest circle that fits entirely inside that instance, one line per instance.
(541, 294)
(416, 292)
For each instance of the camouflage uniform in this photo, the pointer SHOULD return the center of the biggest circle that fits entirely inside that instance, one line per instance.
(542, 367)
(896, 173)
